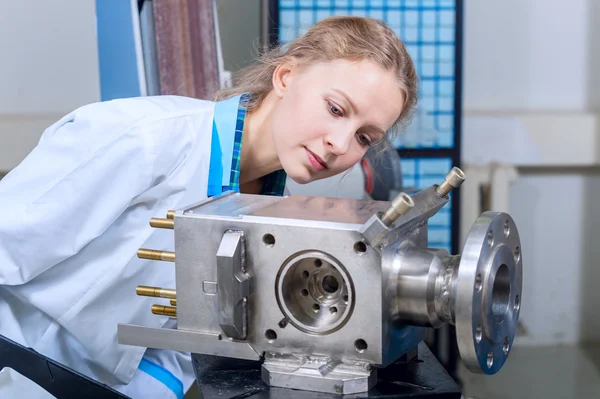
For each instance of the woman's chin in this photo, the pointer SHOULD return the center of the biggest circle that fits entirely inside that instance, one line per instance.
(301, 175)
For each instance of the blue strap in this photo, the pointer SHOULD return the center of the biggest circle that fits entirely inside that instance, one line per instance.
(163, 375)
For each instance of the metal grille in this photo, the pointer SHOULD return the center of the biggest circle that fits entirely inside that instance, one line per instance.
(429, 147)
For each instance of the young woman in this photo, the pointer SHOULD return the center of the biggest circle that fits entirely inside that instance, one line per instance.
(77, 208)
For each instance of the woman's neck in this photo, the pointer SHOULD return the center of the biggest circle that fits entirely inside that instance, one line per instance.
(259, 157)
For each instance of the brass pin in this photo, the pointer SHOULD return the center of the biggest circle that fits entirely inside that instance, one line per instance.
(162, 223)
(157, 292)
(453, 180)
(173, 302)
(399, 206)
(164, 310)
(153, 254)
(171, 215)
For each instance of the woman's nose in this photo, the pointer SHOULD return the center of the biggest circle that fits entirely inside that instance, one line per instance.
(338, 142)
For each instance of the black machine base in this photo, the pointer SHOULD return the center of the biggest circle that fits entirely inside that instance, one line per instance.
(58, 380)
(421, 377)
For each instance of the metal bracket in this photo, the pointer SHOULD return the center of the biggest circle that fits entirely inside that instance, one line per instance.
(320, 374)
(171, 338)
(233, 285)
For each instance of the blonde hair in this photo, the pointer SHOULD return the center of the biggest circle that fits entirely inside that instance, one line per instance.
(340, 37)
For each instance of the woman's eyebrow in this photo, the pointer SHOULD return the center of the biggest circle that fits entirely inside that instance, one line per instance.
(376, 129)
(347, 97)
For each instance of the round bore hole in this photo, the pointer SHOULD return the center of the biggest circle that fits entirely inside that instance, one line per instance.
(333, 310)
(517, 254)
(282, 324)
(306, 293)
(501, 293)
(490, 359)
(345, 298)
(478, 334)
(506, 229)
(360, 247)
(269, 240)
(490, 238)
(517, 304)
(478, 282)
(330, 284)
(360, 345)
(506, 346)
(270, 335)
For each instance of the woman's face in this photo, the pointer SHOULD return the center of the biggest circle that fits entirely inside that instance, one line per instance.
(329, 114)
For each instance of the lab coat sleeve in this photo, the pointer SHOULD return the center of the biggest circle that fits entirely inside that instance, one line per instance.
(79, 179)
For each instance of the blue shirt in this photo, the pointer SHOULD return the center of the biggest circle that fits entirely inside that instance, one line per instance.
(226, 149)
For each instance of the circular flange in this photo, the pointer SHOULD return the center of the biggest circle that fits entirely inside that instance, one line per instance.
(488, 292)
(315, 292)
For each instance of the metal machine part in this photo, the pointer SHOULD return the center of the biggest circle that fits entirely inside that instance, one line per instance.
(327, 290)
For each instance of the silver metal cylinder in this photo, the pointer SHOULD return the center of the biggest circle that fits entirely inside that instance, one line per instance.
(479, 291)
(426, 286)
(399, 206)
(453, 180)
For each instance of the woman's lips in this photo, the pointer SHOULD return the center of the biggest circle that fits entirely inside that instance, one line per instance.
(315, 161)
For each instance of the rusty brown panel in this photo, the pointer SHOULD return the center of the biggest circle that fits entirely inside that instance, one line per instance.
(186, 47)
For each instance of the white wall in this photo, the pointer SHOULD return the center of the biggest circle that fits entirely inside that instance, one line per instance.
(240, 30)
(539, 58)
(49, 67)
(530, 55)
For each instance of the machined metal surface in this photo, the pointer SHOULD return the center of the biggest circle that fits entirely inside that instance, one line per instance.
(233, 285)
(185, 341)
(162, 223)
(164, 310)
(327, 289)
(489, 283)
(453, 179)
(156, 292)
(152, 254)
(276, 238)
(320, 374)
(424, 284)
(315, 292)
(399, 206)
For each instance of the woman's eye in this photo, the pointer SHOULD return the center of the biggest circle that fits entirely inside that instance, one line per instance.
(364, 139)
(334, 110)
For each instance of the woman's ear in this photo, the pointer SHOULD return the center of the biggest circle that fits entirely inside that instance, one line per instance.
(282, 77)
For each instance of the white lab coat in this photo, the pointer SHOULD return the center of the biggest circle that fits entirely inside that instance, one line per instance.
(74, 213)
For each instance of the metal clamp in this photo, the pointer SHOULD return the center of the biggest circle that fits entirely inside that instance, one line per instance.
(233, 285)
